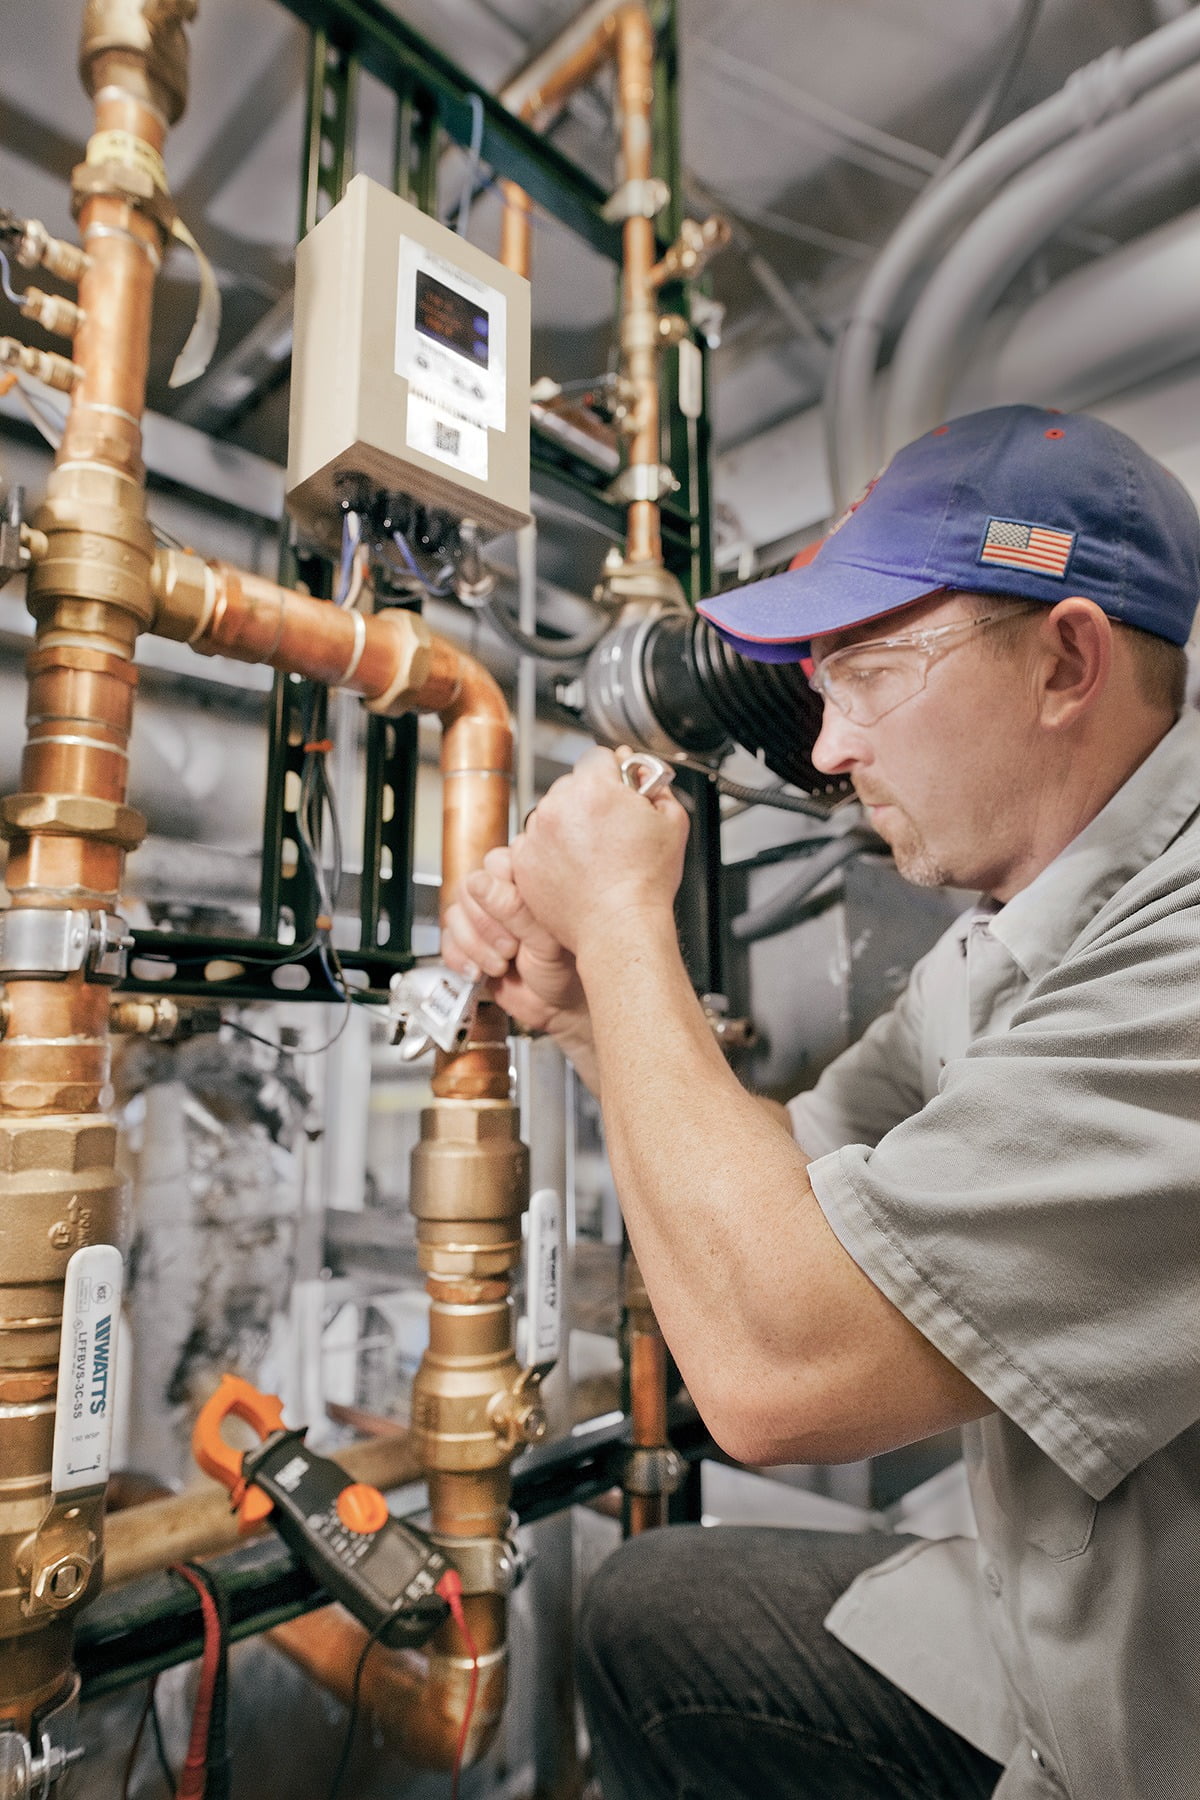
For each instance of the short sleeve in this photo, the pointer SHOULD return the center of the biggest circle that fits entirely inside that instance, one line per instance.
(1039, 1219)
(884, 1077)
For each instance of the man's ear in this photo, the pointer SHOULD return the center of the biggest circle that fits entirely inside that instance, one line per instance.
(1076, 660)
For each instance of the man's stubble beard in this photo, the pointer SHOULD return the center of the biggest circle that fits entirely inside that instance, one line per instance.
(913, 858)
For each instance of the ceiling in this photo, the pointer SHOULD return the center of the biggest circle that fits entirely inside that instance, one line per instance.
(812, 123)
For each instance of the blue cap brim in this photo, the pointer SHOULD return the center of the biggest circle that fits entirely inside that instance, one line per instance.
(775, 620)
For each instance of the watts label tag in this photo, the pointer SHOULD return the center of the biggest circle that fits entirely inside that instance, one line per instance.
(86, 1369)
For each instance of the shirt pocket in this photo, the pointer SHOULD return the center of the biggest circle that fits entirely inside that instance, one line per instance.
(1035, 1502)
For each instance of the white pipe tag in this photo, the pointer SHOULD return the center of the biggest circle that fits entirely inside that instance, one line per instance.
(86, 1388)
(544, 1263)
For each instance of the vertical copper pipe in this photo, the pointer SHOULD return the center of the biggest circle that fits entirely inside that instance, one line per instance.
(639, 318)
(69, 830)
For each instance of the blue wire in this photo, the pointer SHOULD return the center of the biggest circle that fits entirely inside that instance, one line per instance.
(6, 280)
(402, 545)
(464, 206)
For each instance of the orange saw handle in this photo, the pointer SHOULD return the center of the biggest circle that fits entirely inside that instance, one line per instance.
(264, 1412)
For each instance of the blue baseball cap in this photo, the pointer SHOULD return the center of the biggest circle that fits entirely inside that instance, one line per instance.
(1015, 500)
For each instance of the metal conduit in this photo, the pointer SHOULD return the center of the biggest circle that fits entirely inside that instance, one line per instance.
(1093, 93)
(995, 246)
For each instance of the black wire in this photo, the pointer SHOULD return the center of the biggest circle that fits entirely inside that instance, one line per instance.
(352, 1721)
(566, 649)
(136, 1745)
(160, 1748)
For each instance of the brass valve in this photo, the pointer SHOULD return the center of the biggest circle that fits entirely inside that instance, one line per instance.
(518, 1414)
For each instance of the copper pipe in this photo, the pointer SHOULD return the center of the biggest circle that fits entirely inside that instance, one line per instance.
(639, 317)
(627, 33)
(416, 1703)
(69, 830)
(516, 229)
(141, 1540)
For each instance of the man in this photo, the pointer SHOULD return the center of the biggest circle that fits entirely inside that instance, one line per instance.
(988, 1217)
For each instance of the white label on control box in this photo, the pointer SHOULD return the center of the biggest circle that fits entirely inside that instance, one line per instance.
(86, 1369)
(545, 1279)
(447, 436)
(450, 337)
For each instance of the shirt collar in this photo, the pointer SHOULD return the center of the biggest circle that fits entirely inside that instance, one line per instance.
(1038, 925)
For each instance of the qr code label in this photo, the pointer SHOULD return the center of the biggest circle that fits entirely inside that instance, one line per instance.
(438, 433)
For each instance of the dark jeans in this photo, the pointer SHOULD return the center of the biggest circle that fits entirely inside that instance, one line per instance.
(707, 1674)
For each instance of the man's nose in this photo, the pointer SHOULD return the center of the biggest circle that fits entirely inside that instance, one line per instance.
(840, 746)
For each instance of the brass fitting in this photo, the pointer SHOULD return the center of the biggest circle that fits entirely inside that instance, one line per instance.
(414, 663)
(470, 1186)
(44, 365)
(692, 250)
(37, 249)
(183, 589)
(53, 312)
(145, 35)
(155, 1017)
(100, 548)
(72, 815)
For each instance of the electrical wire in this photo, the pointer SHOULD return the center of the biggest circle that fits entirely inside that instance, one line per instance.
(6, 280)
(160, 1748)
(475, 102)
(450, 1588)
(355, 1698)
(985, 113)
(438, 591)
(759, 796)
(785, 908)
(567, 649)
(136, 1745)
(193, 1775)
(51, 431)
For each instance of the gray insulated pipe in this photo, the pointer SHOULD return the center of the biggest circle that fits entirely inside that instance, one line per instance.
(974, 274)
(669, 683)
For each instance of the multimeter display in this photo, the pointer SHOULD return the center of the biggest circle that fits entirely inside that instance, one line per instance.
(382, 1570)
(389, 1564)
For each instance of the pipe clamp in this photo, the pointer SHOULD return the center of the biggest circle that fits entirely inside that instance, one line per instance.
(486, 1565)
(43, 944)
(636, 200)
(651, 1472)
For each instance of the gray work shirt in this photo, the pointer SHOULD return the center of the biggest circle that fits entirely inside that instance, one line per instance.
(1012, 1154)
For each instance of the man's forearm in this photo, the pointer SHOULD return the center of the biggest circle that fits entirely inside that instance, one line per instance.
(572, 1032)
(713, 1190)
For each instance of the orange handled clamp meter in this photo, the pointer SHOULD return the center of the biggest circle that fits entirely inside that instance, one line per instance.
(387, 1573)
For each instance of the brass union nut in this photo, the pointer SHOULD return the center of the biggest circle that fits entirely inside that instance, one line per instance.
(72, 815)
(414, 659)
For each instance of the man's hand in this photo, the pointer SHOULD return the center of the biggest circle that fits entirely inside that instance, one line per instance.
(595, 855)
(490, 931)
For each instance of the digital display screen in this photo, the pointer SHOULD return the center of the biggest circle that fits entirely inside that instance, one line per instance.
(390, 1565)
(451, 319)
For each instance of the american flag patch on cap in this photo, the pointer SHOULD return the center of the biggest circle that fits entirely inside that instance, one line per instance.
(1034, 547)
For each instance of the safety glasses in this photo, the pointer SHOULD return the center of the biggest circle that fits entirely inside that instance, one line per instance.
(867, 681)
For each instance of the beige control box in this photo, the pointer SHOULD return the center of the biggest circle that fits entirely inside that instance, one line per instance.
(410, 367)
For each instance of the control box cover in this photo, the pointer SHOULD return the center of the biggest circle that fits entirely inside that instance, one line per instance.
(410, 367)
